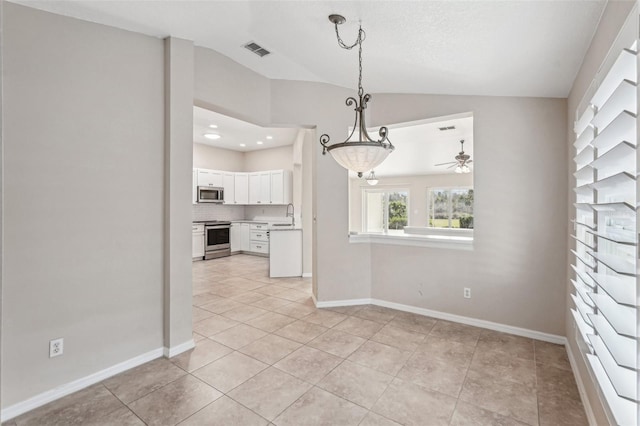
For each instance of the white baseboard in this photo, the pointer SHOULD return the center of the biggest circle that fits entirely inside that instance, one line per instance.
(178, 349)
(337, 303)
(76, 385)
(538, 335)
(581, 390)
(307, 275)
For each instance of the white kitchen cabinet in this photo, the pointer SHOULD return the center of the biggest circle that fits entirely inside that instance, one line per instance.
(241, 188)
(197, 241)
(194, 184)
(281, 181)
(245, 237)
(285, 253)
(229, 184)
(212, 178)
(236, 237)
(259, 238)
(259, 188)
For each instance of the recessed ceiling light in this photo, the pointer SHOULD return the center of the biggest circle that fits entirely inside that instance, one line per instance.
(269, 137)
(211, 136)
(259, 142)
(243, 144)
(213, 126)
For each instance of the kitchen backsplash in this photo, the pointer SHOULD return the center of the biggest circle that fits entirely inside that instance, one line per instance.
(272, 211)
(212, 211)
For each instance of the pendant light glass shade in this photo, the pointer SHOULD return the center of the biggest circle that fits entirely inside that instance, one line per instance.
(359, 156)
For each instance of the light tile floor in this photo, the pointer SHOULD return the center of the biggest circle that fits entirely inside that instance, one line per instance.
(265, 355)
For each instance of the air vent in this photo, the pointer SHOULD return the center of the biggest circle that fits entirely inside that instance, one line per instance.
(257, 49)
(443, 129)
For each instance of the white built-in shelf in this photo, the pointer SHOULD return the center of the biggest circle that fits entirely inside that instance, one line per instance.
(617, 237)
(584, 328)
(621, 348)
(617, 264)
(621, 318)
(624, 410)
(622, 128)
(614, 208)
(622, 99)
(583, 292)
(622, 379)
(585, 156)
(622, 182)
(622, 289)
(624, 68)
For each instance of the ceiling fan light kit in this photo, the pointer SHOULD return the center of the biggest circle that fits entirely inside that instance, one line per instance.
(358, 152)
(461, 162)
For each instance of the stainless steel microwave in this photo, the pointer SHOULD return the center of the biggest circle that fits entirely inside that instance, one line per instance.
(210, 194)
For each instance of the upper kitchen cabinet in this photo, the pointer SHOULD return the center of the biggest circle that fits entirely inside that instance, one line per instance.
(241, 188)
(270, 187)
(229, 185)
(281, 186)
(211, 178)
(260, 188)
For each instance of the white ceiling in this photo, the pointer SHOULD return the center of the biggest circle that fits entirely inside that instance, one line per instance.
(497, 48)
(234, 132)
(421, 145)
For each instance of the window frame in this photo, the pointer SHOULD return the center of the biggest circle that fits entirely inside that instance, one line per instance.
(449, 206)
(385, 219)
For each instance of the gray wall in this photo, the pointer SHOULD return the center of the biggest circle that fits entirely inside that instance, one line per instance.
(611, 22)
(516, 270)
(83, 190)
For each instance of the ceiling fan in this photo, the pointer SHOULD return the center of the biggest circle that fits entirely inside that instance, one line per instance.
(462, 161)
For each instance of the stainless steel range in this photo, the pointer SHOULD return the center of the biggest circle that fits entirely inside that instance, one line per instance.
(216, 239)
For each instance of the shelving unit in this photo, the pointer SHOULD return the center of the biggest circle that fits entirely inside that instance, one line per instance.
(605, 287)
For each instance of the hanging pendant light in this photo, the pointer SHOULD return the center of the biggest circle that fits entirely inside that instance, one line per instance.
(359, 152)
(372, 179)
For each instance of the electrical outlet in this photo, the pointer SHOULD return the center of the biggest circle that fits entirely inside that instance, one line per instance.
(467, 293)
(56, 347)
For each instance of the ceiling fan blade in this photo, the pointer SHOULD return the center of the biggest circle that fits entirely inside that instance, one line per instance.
(442, 164)
(470, 161)
(452, 166)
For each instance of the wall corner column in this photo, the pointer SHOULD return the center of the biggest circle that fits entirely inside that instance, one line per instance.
(178, 163)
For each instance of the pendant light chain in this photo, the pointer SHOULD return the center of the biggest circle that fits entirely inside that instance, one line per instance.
(361, 37)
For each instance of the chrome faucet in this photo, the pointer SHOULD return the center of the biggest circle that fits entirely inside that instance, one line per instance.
(292, 214)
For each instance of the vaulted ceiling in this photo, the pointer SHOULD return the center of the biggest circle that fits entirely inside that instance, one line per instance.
(497, 48)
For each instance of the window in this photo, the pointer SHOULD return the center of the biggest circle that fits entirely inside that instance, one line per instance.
(385, 210)
(450, 208)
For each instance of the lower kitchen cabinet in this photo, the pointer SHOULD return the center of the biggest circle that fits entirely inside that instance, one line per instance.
(235, 237)
(245, 237)
(249, 238)
(197, 241)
